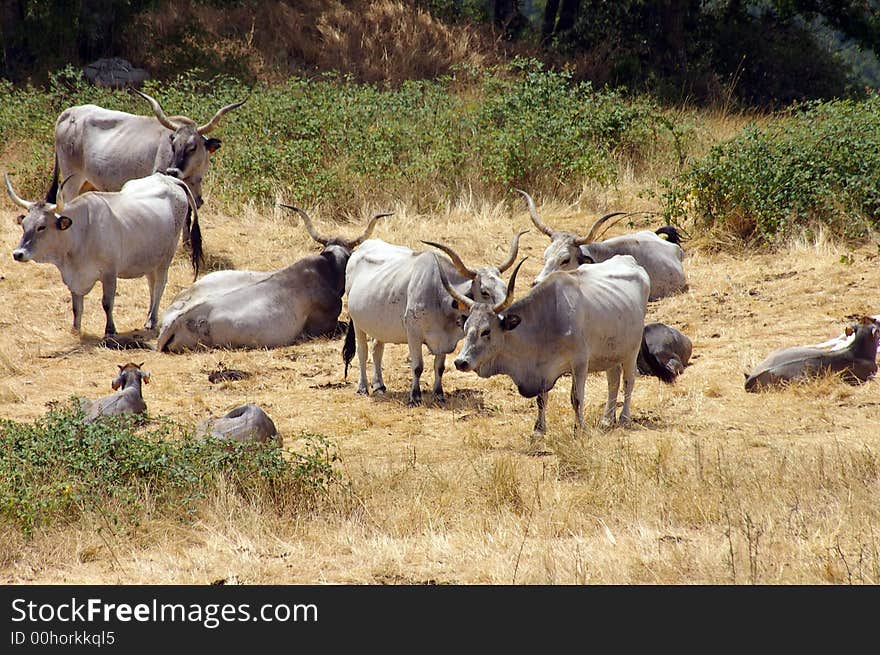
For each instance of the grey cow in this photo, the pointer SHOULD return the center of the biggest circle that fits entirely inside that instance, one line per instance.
(395, 296)
(102, 149)
(102, 236)
(589, 319)
(247, 423)
(660, 256)
(128, 398)
(855, 358)
(665, 352)
(256, 309)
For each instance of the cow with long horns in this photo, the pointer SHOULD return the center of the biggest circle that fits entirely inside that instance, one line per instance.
(251, 309)
(108, 235)
(659, 253)
(589, 319)
(101, 149)
(395, 296)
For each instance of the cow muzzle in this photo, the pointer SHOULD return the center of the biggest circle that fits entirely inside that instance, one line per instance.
(21, 255)
(462, 365)
(174, 172)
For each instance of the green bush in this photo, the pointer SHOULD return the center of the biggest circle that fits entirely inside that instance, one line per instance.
(333, 141)
(58, 468)
(820, 163)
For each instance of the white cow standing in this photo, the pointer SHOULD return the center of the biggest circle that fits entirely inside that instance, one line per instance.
(395, 296)
(102, 149)
(589, 319)
(102, 236)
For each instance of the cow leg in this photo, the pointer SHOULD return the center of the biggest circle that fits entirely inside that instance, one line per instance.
(613, 375)
(76, 301)
(156, 281)
(629, 383)
(108, 285)
(418, 365)
(439, 367)
(378, 351)
(361, 337)
(578, 380)
(541, 421)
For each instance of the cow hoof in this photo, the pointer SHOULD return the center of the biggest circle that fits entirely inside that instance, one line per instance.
(440, 398)
(414, 401)
(606, 424)
(362, 391)
(379, 390)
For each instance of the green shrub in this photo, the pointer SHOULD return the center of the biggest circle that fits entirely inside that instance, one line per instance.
(333, 141)
(818, 164)
(58, 468)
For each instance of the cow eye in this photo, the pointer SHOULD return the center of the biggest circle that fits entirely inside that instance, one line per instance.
(41, 228)
(485, 333)
(566, 261)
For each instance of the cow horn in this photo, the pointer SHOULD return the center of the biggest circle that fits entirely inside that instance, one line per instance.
(354, 243)
(514, 250)
(157, 109)
(594, 232)
(464, 270)
(535, 218)
(308, 223)
(59, 206)
(465, 303)
(24, 204)
(211, 124)
(508, 300)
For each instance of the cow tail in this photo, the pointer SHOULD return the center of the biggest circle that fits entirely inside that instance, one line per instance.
(655, 368)
(350, 347)
(195, 240)
(52, 194)
(195, 233)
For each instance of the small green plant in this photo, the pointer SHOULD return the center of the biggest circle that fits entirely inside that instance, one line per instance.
(58, 468)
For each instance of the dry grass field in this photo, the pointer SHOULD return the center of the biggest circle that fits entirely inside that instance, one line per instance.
(710, 485)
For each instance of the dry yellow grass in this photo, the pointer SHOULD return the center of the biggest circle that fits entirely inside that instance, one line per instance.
(383, 41)
(710, 485)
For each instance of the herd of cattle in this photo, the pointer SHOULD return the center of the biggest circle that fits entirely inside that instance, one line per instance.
(127, 189)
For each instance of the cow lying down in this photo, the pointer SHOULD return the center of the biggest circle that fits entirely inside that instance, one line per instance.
(853, 356)
(246, 423)
(255, 309)
(669, 349)
(128, 398)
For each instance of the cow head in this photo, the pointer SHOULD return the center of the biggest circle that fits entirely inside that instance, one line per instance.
(484, 324)
(189, 149)
(42, 227)
(564, 252)
(339, 244)
(486, 283)
(130, 374)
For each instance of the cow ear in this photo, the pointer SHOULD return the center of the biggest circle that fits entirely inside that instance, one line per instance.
(115, 384)
(146, 377)
(63, 222)
(848, 331)
(510, 321)
(583, 258)
(19, 219)
(212, 144)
